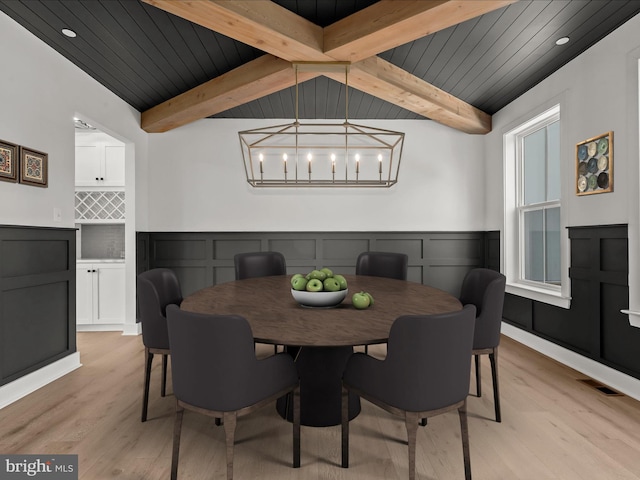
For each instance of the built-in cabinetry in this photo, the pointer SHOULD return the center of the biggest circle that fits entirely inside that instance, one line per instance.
(98, 162)
(100, 217)
(100, 294)
(100, 206)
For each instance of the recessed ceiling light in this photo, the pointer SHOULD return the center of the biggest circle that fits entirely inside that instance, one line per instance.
(69, 33)
(562, 40)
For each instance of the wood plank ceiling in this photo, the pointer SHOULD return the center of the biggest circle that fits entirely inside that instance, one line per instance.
(456, 62)
(356, 39)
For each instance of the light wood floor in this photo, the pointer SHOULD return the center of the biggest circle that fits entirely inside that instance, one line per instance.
(554, 427)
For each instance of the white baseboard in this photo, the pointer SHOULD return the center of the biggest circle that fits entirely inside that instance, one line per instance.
(125, 328)
(105, 327)
(132, 329)
(634, 317)
(608, 376)
(23, 386)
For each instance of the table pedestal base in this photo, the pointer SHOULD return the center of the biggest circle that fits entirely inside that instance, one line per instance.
(320, 370)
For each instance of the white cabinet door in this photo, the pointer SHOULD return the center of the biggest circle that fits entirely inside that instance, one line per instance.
(84, 294)
(113, 167)
(88, 165)
(99, 161)
(100, 294)
(110, 297)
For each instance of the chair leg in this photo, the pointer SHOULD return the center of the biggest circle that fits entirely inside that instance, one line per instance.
(345, 427)
(230, 420)
(411, 421)
(464, 433)
(423, 422)
(296, 427)
(493, 357)
(163, 387)
(478, 379)
(148, 359)
(177, 428)
(366, 349)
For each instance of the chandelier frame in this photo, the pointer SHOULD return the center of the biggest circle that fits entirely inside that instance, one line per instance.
(319, 154)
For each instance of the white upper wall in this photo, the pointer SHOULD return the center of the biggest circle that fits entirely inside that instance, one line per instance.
(448, 180)
(599, 90)
(197, 183)
(194, 174)
(41, 93)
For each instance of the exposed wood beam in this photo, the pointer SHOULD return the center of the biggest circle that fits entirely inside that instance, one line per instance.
(390, 23)
(384, 80)
(260, 23)
(251, 81)
(359, 37)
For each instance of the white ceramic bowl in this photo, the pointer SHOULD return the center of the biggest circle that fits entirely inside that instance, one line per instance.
(319, 299)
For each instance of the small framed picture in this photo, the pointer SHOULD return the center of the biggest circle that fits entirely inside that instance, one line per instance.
(594, 165)
(8, 161)
(33, 167)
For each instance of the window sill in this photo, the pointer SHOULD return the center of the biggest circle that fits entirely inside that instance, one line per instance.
(539, 294)
(634, 317)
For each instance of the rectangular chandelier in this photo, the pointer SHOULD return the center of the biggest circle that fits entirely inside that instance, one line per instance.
(301, 154)
(321, 155)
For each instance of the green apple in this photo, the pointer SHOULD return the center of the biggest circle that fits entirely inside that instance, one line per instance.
(331, 285)
(328, 272)
(314, 285)
(360, 300)
(297, 275)
(318, 274)
(370, 298)
(299, 283)
(342, 281)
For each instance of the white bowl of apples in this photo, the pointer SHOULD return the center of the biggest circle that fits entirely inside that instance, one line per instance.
(319, 288)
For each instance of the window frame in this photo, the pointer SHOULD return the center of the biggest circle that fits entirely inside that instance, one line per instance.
(538, 207)
(513, 248)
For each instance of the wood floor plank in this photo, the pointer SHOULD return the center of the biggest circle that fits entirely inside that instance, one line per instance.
(554, 427)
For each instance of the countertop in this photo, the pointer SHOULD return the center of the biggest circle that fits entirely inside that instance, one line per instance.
(99, 260)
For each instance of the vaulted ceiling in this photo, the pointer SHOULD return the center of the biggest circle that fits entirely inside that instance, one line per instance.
(455, 62)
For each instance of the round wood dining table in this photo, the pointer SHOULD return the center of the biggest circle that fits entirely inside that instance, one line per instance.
(276, 318)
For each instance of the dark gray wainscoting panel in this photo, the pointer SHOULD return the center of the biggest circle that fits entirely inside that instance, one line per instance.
(449, 257)
(37, 298)
(200, 259)
(594, 325)
(518, 311)
(492, 250)
(142, 252)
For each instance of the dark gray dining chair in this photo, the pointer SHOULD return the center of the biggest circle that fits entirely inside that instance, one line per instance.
(484, 289)
(215, 372)
(425, 373)
(382, 264)
(259, 264)
(156, 289)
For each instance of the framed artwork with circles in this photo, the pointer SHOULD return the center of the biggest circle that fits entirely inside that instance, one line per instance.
(594, 165)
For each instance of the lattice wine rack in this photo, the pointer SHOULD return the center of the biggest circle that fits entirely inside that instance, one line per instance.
(100, 205)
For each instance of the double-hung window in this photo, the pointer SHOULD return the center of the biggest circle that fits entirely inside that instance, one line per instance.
(539, 203)
(533, 233)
